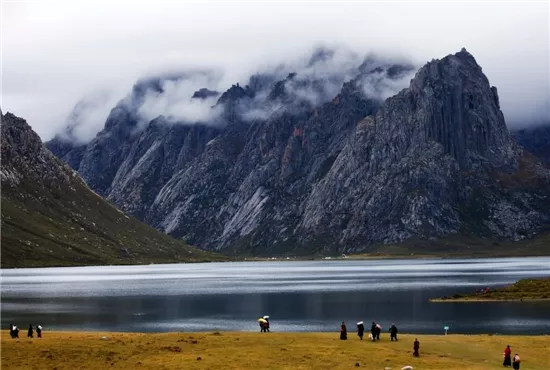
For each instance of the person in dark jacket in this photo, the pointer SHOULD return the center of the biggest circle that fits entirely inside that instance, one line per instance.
(373, 330)
(39, 331)
(11, 331)
(416, 347)
(393, 332)
(343, 331)
(516, 362)
(30, 332)
(15, 332)
(360, 329)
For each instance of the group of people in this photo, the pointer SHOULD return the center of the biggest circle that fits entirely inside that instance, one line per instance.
(375, 331)
(14, 331)
(508, 361)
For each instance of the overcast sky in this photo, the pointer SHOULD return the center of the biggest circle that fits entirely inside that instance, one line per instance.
(54, 53)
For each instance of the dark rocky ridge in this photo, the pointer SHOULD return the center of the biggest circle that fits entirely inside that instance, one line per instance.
(434, 160)
(204, 93)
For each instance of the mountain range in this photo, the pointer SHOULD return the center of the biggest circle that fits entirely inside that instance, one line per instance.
(313, 161)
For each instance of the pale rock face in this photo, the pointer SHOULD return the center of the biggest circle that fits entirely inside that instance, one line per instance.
(434, 160)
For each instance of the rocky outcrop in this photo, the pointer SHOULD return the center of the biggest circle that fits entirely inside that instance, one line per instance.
(285, 168)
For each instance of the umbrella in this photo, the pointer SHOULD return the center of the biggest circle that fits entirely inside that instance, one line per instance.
(261, 320)
(266, 317)
(360, 322)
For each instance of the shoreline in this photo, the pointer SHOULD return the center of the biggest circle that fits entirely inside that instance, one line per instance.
(352, 257)
(352, 334)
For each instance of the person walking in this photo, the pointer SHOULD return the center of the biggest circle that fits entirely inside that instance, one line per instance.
(507, 357)
(360, 329)
(416, 348)
(393, 332)
(516, 362)
(373, 331)
(39, 331)
(261, 323)
(30, 332)
(343, 331)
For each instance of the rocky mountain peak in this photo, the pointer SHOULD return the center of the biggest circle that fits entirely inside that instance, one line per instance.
(458, 108)
(19, 141)
(233, 94)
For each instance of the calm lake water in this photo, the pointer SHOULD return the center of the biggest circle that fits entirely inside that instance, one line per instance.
(298, 296)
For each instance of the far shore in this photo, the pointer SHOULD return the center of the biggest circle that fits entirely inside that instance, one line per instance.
(374, 256)
(524, 290)
(470, 300)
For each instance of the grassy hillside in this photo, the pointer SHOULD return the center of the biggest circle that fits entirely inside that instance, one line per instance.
(79, 350)
(51, 218)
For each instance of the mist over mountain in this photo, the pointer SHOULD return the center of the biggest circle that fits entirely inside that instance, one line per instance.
(52, 56)
(306, 81)
(336, 153)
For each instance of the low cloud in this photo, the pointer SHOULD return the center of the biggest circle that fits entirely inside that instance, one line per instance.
(173, 99)
(299, 83)
(88, 116)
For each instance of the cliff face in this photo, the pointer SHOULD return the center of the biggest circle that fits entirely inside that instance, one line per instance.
(341, 173)
(51, 218)
(431, 162)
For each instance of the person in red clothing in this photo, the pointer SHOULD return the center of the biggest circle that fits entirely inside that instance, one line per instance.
(507, 357)
(416, 347)
(343, 331)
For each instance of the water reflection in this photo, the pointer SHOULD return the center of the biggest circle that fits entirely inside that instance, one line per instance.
(299, 296)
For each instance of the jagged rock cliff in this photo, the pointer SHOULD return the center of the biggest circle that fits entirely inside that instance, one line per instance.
(51, 218)
(429, 163)
(338, 173)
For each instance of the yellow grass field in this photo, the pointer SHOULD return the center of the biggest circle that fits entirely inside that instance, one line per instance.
(236, 350)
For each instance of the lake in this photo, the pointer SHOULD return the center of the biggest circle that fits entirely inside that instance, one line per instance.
(298, 296)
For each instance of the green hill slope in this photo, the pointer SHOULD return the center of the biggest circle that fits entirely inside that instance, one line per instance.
(51, 218)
